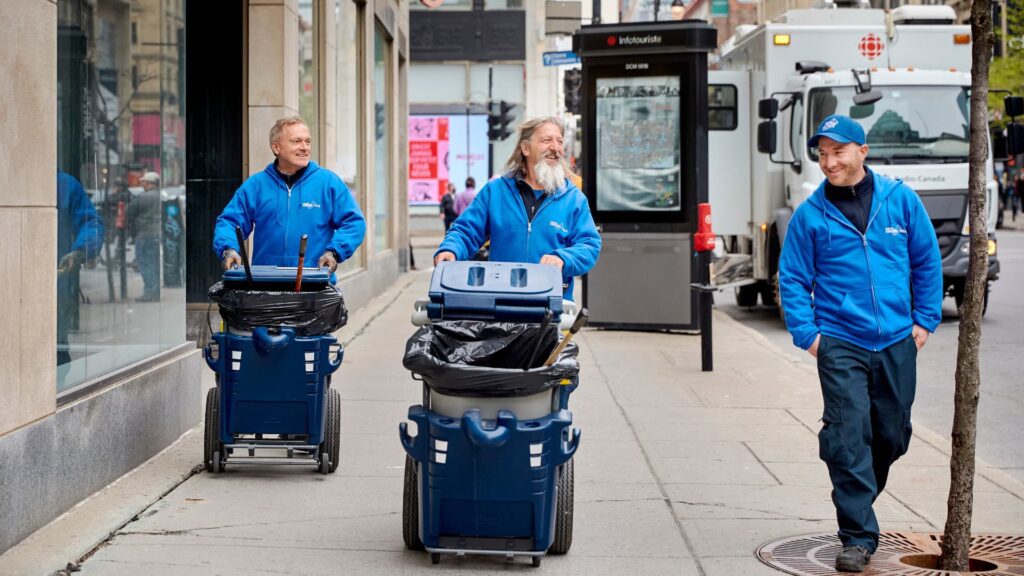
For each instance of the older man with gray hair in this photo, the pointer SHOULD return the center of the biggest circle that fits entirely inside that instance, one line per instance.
(292, 196)
(531, 214)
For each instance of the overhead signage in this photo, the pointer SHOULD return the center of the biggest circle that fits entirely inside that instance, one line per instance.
(560, 58)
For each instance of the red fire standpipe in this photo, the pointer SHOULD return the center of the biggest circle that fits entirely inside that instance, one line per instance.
(704, 243)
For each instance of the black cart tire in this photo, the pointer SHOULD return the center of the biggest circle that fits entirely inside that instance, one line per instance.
(562, 540)
(330, 447)
(212, 447)
(411, 506)
(536, 561)
(435, 557)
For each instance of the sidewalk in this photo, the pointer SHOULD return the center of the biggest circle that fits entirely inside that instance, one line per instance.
(678, 472)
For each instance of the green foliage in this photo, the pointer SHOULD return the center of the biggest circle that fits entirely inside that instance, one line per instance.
(1008, 73)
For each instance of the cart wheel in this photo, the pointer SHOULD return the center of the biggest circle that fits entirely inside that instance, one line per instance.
(211, 431)
(330, 448)
(435, 557)
(563, 509)
(325, 464)
(218, 462)
(536, 561)
(411, 507)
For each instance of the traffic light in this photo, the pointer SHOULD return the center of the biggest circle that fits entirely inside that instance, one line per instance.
(572, 82)
(499, 116)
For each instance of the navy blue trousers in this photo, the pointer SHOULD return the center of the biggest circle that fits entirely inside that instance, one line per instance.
(866, 427)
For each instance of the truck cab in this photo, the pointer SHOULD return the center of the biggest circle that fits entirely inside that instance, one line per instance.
(905, 76)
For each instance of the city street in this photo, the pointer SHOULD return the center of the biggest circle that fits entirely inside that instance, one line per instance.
(1000, 435)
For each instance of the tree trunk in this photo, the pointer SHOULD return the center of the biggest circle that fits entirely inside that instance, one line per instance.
(957, 536)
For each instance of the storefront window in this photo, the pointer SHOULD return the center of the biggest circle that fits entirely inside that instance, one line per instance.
(120, 184)
(308, 104)
(382, 124)
(347, 20)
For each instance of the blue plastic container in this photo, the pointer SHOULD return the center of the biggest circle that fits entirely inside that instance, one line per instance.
(272, 383)
(499, 291)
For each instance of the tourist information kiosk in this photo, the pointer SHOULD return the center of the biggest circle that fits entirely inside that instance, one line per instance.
(645, 162)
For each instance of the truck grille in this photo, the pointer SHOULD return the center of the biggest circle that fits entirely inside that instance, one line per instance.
(946, 209)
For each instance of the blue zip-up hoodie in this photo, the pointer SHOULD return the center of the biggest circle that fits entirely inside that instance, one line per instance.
(319, 204)
(561, 226)
(860, 287)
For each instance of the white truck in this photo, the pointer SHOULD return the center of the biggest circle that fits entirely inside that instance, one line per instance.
(904, 75)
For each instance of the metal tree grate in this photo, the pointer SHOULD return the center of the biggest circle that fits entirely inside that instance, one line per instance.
(814, 554)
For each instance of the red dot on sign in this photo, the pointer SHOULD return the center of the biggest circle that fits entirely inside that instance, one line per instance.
(612, 41)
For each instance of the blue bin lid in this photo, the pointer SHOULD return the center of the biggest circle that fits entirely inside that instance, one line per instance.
(277, 275)
(500, 291)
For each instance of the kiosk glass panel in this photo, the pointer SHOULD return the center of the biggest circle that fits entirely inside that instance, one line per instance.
(638, 144)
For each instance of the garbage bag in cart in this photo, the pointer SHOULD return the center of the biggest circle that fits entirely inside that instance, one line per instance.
(488, 359)
(319, 308)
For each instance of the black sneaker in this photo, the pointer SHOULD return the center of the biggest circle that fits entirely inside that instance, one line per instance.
(853, 559)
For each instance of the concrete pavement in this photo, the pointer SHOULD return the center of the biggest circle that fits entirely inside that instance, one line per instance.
(678, 472)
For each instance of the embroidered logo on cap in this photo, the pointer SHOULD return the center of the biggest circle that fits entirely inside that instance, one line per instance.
(830, 124)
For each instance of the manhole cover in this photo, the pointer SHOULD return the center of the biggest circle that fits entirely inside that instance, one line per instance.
(899, 553)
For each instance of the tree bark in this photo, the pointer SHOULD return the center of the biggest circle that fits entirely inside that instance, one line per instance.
(960, 504)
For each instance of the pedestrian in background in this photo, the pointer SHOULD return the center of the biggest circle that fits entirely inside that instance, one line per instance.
(292, 196)
(861, 283)
(465, 198)
(509, 210)
(448, 213)
(145, 223)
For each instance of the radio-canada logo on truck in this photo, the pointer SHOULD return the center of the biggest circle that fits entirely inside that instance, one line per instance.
(871, 46)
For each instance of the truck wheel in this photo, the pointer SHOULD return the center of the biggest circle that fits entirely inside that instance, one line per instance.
(768, 297)
(958, 297)
(746, 296)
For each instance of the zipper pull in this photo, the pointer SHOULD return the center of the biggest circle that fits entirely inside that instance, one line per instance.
(529, 227)
(864, 237)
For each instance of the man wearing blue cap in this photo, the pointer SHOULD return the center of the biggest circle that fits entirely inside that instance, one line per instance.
(861, 285)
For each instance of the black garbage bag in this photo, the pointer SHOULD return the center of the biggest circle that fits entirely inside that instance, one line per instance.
(311, 313)
(487, 359)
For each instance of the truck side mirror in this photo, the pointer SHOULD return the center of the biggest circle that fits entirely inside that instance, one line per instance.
(1014, 139)
(1014, 106)
(767, 109)
(766, 136)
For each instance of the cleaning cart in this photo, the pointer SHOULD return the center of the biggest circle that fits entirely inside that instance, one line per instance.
(273, 403)
(490, 469)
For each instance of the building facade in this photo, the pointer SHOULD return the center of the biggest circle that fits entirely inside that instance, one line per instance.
(130, 123)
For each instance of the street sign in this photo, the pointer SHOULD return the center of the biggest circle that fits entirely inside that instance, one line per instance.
(719, 7)
(560, 58)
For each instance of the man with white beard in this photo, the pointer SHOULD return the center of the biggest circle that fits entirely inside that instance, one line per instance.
(531, 214)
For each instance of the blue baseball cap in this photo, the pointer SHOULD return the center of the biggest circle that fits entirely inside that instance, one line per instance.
(839, 128)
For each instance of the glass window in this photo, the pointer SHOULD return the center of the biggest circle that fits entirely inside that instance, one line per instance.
(120, 185)
(439, 83)
(503, 4)
(721, 107)
(308, 94)
(348, 36)
(909, 125)
(797, 141)
(382, 139)
(638, 147)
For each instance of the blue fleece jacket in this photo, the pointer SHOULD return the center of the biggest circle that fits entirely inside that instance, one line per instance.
(867, 289)
(319, 204)
(562, 226)
(79, 227)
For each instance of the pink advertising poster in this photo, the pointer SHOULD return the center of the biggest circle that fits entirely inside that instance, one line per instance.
(428, 158)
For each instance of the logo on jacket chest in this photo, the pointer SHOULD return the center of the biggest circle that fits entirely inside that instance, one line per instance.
(558, 226)
(310, 205)
(895, 230)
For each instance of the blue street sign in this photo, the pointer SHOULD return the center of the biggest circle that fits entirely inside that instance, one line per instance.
(560, 58)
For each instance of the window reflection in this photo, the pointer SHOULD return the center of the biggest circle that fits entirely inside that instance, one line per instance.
(120, 192)
(382, 161)
(348, 39)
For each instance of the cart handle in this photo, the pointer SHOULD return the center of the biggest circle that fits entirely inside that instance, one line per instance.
(473, 425)
(263, 341)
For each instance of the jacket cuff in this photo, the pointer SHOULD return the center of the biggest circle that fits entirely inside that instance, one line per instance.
(927, 322)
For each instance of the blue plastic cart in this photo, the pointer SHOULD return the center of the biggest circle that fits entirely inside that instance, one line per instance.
(273, 393)
(486, 480)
